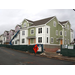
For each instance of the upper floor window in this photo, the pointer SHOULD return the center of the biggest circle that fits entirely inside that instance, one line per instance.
(39, 30)
(32, 31)
(24, 24)
(60, 32)
(65, 41)
(15, 42)
(56, 32)
(7, 37)
(54, 24)
(68, 41)
(47, 30)
(68, 27)
(23, 32)
(65, 33)
(56, 39)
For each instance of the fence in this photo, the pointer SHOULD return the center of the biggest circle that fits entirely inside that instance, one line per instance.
(25, 47)
(68, 50)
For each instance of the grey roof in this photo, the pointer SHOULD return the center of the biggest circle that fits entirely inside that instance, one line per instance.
(43, 21)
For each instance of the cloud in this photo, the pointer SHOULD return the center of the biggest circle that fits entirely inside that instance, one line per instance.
(9, 18)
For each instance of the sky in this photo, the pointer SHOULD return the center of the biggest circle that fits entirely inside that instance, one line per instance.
(9, 18)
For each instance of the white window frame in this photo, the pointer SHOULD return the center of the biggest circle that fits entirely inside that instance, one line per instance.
(33, 31)
(56, 32)
(68, 27)
(22, 32)
(38, 40)
(68, 41)
(65, 41)
(47, 40)
(65, 33)
(56, 39)
(40, 30)
(54, 23)
(59, 33)
(47, 30)
(53, 40)
(22, 40)
(24, 24)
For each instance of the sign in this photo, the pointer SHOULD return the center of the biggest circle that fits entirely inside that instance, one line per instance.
(70, 47)
(64, 46)
(40, 49)
(35, 48)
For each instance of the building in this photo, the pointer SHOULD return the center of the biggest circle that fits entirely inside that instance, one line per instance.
(49, 31)
(16, 40)
(1, 39)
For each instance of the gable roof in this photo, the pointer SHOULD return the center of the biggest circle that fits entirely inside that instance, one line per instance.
(40, 22)
(29, 21)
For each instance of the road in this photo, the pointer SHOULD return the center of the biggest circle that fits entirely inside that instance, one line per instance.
(13, 57)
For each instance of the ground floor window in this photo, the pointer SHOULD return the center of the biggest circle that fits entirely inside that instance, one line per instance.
(39, 39)
(23, 40)
(47, 39)
(15, 42)
(51, 39)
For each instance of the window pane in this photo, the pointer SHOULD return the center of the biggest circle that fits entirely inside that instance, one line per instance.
(47, 39)
(23, 40)
(47, 30)
(23, 32)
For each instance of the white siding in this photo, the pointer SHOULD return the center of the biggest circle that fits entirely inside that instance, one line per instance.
(44, 35)
(24, 37)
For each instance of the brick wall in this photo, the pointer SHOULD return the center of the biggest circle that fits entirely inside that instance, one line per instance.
(51, 48)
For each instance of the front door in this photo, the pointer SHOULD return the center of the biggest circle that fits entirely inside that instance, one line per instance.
(29, 42)
(61, 42)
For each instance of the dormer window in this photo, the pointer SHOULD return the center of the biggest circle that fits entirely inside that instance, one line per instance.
(24, 24)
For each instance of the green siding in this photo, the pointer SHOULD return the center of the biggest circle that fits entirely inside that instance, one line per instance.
(29, 32)
(53, 30)
(27, 24)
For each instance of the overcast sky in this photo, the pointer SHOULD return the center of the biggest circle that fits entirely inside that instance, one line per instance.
(9, 18)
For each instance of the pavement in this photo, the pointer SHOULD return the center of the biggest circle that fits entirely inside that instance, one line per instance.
(16, 57)
(57, 56)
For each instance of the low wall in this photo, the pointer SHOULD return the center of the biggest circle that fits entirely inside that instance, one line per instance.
(51, 48)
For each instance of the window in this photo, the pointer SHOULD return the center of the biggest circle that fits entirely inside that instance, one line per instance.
(56, 32)
(47, 39)
(39, 39)
(68, 27)
(54, 24)
(15, 42)
(60, 32)
(24, 24)
(7, 37)
(39, 30)
(23, 32)
(23, 40)
(65, 41)
(4, 38)
(51, 39)
(47, 30)
(68, 41)
(65, 33)
(56, 39)
(32, 31)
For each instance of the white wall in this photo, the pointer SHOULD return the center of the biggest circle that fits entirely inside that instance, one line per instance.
(44, 35)
(72, 38)
(24, 37)
(16, 38)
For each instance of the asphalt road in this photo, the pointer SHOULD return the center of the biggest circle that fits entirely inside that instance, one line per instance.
(13, 57)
